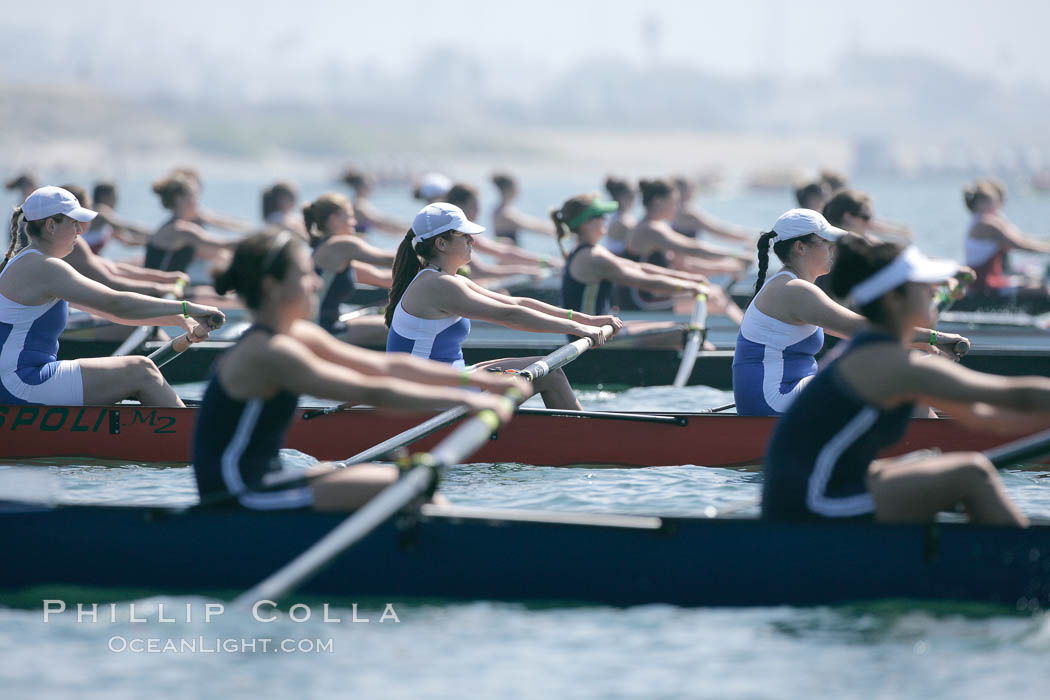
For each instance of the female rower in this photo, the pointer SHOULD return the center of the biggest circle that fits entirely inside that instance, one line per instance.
(654, 242)
(821, 461)
(784, 325)
(431, 306)
(25, 183)
(852, 210)
(108, 224)
(507, 254)
(278, 208)
(591, 271)
(122, 277)
(181, 239)
(342, 259)
(252, 396)
(990, 237)
(622, 220)
(691, 221)
(432, 187)
(368, 217)
(813, 195)
(35, 286)
(507, 221)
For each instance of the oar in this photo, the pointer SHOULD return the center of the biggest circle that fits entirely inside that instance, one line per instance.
(358, 313)
(718, 409)
(1020, 451)
(426, 469)
(693, 343)
(176, 346)
(537, 370)
(140, 334)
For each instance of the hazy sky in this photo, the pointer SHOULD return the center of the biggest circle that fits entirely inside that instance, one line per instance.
(746, 37)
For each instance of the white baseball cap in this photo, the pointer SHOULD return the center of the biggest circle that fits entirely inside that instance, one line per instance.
(796, 223)
(909, 266)
(439, 217)
(48, 201)
(433, 185)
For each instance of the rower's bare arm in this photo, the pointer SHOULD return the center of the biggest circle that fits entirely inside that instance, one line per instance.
(994, 419)
(189, 232)
(716, 227)
(808, 303)
(505, 252)
(529, 223)
(1015, 238)
(128, 308)
(298, 370)
(666, 238)
(380, 221)
(458, 296)
(97, 268)
(336, 253)
(397, 364)
(630, 274)
(370, 274)
(227, 223)
(651, 269)
(912, 376)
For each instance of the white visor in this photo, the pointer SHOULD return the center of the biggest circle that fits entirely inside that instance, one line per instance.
(910, 266)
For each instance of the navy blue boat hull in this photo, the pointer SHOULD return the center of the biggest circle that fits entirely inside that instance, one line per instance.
(465, 555)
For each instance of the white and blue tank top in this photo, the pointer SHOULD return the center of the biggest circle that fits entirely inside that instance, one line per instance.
(773, 361)
(439, 339)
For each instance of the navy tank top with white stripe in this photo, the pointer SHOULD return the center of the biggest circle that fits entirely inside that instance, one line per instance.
(817, 461)
(593, 298)
(336, 288)
(236, 445)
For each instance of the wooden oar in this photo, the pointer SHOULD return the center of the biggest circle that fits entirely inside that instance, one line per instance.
(693, 343)
(173, 348)
(537, 370)
(1019, 451)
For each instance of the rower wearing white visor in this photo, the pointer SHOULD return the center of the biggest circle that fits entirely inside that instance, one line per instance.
(821, 461)
(783, 326)
(431, 306)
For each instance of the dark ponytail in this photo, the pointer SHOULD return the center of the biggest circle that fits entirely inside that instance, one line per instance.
(763, 260)
(316, 213)
(270, 249)
(782, 249)
(407, 264)
(16, 218)
(561, 230)
(856, 259)
(653, 189)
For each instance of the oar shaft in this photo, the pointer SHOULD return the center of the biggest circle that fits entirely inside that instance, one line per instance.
(170, 350)
(407, 437)
(693, 343)
(1020, 451)
(561, 357)
(454, 449)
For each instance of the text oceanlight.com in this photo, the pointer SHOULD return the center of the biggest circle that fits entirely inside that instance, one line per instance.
(218, 645)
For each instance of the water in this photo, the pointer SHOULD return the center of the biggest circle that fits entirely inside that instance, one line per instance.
(506, 650)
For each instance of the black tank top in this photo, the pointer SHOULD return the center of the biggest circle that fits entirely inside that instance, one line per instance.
(236, 445)
(593, 298)
(174, 260)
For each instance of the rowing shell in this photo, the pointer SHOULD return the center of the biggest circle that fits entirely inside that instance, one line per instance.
(469, 554)
(535, 436)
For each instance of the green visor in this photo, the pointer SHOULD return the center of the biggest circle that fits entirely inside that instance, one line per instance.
(597, 208)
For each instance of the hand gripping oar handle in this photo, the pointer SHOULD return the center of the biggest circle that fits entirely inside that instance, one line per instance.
(359, 313)
(174, 347)
(561, 357)
(139, 335)
(541, 368)
(693, 343)
(1020, 451)
(466, 440)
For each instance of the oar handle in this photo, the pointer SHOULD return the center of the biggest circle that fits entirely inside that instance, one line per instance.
(694, 341)
(562, 356)
(174, 347)
(1019, 451)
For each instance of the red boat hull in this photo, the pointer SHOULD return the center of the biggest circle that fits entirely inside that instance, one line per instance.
(150, 435)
